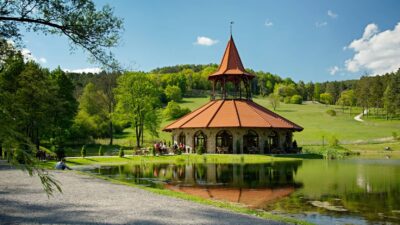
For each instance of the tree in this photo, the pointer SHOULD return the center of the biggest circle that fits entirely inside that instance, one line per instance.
(173, 93)
(296, 99)
(105, 83)
(26, 96)
(326, 98)
(391, 97)
(284, 90)
(317, 92)
(362, 92)
(86, 27)
(174, 111)
(136, 96)
(64, 108)
(92, 117)
(347, 98)
(273, 100)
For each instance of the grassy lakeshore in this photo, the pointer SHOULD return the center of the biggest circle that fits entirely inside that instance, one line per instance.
(191, 158)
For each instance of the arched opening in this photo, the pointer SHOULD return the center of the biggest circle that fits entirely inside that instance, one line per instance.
(224, 142)
(200, 139)
(182, 139)
(288, 141)
(273, 140)
(250, 142)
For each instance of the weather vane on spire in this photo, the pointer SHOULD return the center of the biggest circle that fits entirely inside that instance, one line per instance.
(231, 26)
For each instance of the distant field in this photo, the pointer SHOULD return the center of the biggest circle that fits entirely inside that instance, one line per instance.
(313, 117)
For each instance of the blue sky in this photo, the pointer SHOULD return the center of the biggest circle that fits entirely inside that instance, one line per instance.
(304, 40)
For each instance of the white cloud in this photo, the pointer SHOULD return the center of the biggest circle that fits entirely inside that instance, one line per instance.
(205, 41)
(28, 56)
(268, 23)
(321, 24)
(42, 60)
(84, 70)
(375, 52)
(333, 70)
(332, 15)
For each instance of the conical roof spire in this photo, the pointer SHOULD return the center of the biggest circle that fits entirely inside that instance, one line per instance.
(231, 64)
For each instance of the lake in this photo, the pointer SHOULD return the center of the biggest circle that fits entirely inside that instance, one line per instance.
(348, 191)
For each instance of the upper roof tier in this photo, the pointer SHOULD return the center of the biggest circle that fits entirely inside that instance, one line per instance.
(231, 64)
(232, 113)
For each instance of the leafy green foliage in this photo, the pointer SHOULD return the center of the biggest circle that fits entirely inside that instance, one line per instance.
(81, 22)
(92, 118)
(83, 151)
(273, 100)
(174, 111)
(101, 151)
(331, 112)
(200, 150)
(326, 98)
(296, 99)
(333, 141)
(137, 97)
(121, 152)
(173, 93)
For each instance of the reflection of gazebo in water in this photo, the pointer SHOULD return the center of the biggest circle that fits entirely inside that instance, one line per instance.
(253, 184)
(231, 122)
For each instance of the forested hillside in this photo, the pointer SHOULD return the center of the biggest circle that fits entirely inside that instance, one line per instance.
(60, 108)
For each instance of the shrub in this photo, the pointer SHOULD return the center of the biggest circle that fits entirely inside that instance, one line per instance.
(286, 100)
(121, 153)
(200, 150)
(333, 141)
(174, 111)
(395, 136)
(326, 98)
(60, 152)
(101, 151)
(294, 144)
(83, 152)
(296, 99)
(331, 112)
(153, 151)
(173, 93)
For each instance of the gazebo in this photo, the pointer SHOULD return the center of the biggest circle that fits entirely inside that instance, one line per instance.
(231, 122)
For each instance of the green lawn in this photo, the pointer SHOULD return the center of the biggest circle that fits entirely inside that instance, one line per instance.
(313, 117)
(192, 158)
(378, 147)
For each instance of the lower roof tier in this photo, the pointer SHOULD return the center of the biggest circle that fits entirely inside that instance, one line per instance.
(232, 113)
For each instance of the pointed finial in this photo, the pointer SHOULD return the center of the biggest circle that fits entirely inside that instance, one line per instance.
(231, 26)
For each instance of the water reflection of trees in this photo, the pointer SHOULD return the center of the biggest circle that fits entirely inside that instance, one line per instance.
(233, 175)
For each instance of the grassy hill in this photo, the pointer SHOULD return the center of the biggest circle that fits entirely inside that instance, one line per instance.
(312, 116)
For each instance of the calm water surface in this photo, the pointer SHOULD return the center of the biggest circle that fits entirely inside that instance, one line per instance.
(350, 191)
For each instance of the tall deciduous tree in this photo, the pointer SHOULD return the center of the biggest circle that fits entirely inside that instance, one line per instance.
(347, 98)
(106, 82)
(273, 100)
(86, 27)
(136, 97)
(326, 98)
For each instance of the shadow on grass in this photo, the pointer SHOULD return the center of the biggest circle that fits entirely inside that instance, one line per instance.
(285, 110)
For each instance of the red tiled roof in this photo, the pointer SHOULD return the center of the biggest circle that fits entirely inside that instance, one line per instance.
(232, 113)
(231, 63)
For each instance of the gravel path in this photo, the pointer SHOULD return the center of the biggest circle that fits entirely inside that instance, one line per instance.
(87, 200)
